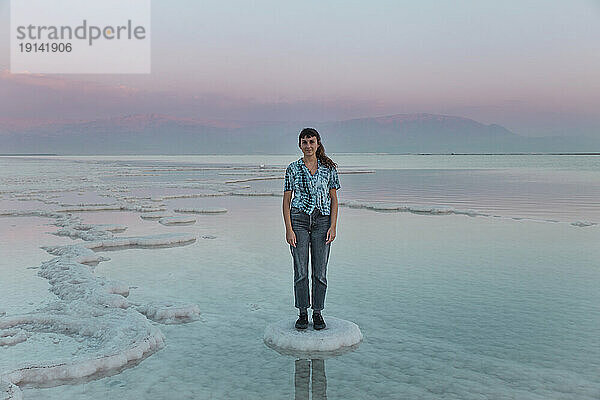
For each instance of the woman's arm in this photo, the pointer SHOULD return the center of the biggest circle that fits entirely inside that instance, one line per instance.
(290, 236)
(334, 211)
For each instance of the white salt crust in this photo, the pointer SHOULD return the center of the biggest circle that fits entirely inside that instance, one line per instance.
(89, 308)
(177, 221)
(121, 336)
(169, 312)
(117, 207)
(90, 232)
(160, 240)
(78, 253)
(338, 337)
(11, 337)
(201, 210)
(583, 224)
(155, 215)
(431, 210)
(9, 391)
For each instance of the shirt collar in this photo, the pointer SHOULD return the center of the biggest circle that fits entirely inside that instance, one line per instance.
(301, 164)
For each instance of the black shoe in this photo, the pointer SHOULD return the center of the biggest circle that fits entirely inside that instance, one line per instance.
(318, 322)
(302, 322)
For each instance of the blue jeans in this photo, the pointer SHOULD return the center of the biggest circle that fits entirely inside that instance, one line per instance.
(311, 232)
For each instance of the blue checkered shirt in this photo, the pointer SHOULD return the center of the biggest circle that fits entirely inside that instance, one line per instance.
(311, 191)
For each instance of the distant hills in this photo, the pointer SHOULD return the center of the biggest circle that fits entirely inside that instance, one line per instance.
(164, 134)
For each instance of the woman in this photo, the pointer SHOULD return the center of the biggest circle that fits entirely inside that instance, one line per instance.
(310, 222)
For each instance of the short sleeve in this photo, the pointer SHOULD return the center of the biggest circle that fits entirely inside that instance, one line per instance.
(289, 179)
(334, 181)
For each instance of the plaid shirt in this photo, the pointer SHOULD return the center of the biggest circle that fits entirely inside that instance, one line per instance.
(311, 191)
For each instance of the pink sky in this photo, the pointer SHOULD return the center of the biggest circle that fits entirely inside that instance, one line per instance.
(531, 67)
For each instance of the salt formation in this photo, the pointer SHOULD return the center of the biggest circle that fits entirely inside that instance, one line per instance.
(119, 337)
(71, 280)
(431, 210)
(90, 232)
(77, 253)
(177, 220)
(201, 210)
(11, 337)
(169, 312)
(85, 207)
(258, 178)
(35, 213)
(92, 310)
(160, 240)
(583, 224)
(116, 207)
(9, 391)
(155, 215)
(338, 337)
(265, 194)
(195, 195)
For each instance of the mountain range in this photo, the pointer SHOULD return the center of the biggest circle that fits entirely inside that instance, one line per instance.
(165, 134)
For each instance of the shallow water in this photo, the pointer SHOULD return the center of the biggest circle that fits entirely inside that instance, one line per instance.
(450, 306)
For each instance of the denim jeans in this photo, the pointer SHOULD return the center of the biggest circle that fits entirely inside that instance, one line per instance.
(311, 233)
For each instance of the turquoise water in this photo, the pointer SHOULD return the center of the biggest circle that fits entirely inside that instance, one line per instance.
(450, 306)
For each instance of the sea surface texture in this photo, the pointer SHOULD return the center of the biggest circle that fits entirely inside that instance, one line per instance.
(469, 277)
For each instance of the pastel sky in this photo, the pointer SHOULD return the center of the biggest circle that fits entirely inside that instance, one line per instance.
(532, 66)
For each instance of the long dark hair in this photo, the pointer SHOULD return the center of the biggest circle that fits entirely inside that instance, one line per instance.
(321, 156)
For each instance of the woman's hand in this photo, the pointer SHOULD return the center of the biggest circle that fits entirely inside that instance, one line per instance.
(330, 235)
(290, 237)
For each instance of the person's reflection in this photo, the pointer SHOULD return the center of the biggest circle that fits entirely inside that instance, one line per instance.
(301, 378)
(319, 380)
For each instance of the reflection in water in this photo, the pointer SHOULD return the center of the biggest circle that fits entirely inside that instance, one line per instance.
(303, 369)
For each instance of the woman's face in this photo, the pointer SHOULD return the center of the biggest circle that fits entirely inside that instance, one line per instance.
(309, 145)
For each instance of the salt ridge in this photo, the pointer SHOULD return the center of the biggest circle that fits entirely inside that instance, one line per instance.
(89, 306)
(180, 220)
(200, 210)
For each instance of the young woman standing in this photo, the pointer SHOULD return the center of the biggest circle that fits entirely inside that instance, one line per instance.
(310, 219)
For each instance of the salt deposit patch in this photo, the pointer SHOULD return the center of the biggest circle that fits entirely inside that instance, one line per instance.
(73, 281)
(258, 194)
(161, 240)
(177, 220)
(11, 337)
(258, 178)
(32, 213)
(9, 391)
(195, 195)
(92, 322)
(583, 224)
(90, 232)
(123, 207)
(116, 337)
(169, 312)
(155, 215)
(387, 207)
(114, 228)
(338, 337)
(85, 207)
(76, 253)
(201, 210)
